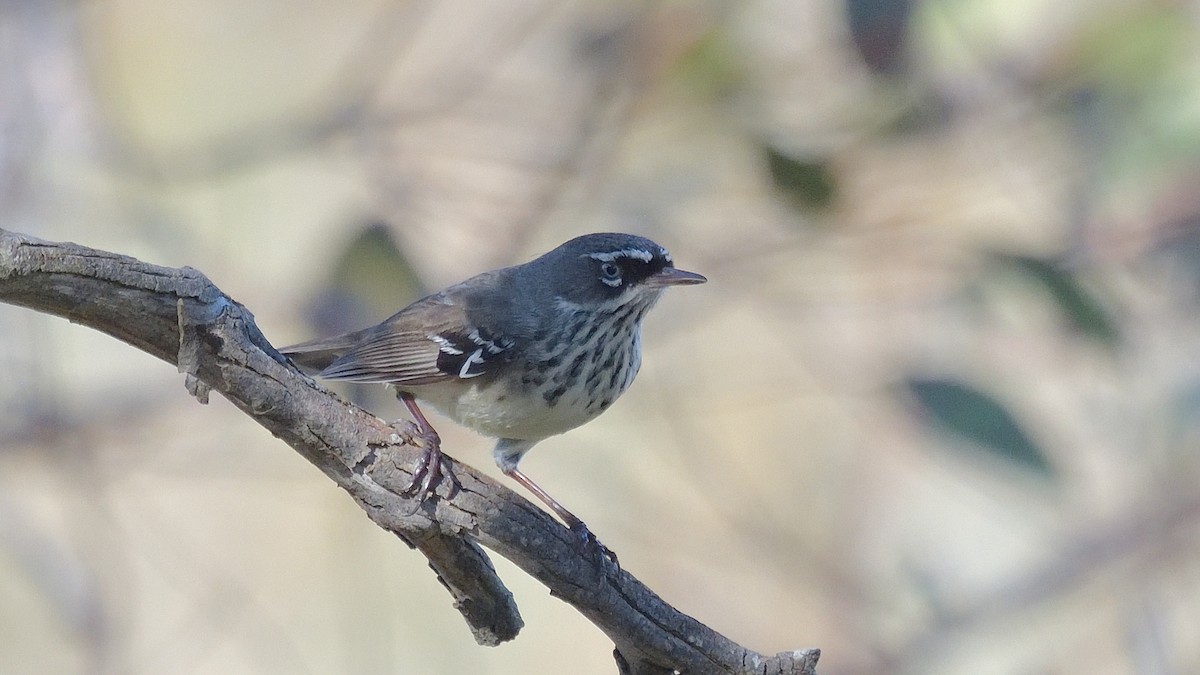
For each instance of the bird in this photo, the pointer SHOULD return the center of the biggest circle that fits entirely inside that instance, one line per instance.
(518, 354)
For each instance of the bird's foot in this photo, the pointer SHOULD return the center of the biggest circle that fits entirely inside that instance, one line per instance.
(604, 558)
(429, 470)
(591, 545)
(427, 474)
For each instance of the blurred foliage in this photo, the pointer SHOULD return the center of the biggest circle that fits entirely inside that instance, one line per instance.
(968, 413)
(766, 423)
(1079, 307)
(1131, 74)
(1134, 47)
(808, 184)
(370, 279)
(879, 30)
(711, 66)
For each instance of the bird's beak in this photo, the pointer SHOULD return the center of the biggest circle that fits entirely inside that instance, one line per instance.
(671, 276)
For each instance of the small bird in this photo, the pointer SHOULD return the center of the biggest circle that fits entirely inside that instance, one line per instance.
(519, 354)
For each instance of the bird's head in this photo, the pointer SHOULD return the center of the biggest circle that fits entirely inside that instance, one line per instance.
(608, 270)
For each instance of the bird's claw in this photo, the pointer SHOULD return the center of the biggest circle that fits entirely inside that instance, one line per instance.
(599, 552)
(427, 474)
(429, 471)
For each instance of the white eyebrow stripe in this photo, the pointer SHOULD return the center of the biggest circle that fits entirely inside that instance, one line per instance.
(637, 253)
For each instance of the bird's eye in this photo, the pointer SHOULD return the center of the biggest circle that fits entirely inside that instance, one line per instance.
(610, 271)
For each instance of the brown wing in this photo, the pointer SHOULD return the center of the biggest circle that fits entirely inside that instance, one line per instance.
(429, 341)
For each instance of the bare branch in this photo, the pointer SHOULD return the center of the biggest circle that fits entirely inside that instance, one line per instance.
(179, 316)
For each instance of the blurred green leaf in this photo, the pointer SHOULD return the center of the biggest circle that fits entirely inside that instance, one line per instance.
(968, 413)
(373, 265)
(1132, 48)
(368, 279)
(808, 182)
(712, 65)
(1081, 309)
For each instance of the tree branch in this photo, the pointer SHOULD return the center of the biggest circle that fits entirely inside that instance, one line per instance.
(179, 316)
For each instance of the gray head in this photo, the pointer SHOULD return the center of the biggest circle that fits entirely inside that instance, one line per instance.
(606, 268)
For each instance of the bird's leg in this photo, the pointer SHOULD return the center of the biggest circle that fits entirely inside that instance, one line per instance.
(429, 469)
(573, 522)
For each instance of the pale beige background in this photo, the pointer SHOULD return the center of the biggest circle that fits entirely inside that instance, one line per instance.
(766, 473)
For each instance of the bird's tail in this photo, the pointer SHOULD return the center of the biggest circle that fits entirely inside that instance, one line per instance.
(316, 355)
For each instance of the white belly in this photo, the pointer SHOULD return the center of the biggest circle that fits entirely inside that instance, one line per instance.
(491, 409)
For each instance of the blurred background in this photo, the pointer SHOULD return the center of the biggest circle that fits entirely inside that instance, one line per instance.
(936, 411)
